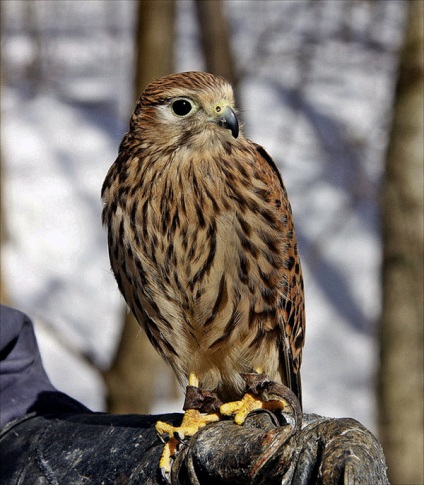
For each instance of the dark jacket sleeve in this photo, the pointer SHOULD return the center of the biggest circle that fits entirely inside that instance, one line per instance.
(24, 385)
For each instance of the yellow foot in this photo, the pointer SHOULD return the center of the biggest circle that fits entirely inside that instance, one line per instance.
(192, 421)
(248, 404)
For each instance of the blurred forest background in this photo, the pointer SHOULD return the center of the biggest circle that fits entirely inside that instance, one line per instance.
(332, 89)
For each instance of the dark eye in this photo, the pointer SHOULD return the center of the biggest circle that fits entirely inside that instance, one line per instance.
(181, 107)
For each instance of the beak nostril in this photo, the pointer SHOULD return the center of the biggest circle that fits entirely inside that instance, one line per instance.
(228, 119)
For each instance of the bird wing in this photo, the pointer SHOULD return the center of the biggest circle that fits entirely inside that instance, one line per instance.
(291, 313)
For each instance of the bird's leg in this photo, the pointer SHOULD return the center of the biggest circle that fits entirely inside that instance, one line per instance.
(259, 384)
(252, 399)
(197, 403)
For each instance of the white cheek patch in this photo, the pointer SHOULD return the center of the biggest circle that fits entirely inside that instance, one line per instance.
(165, 115)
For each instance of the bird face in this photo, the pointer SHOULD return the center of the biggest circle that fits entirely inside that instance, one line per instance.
(199, 114)
(221, 113)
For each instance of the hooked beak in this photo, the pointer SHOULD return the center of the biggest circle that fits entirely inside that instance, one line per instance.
(228, 119)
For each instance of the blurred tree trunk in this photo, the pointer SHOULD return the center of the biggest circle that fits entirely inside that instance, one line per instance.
(130, 380)
(215, 39)
(4, 297)
(401, 331)
(154, 41)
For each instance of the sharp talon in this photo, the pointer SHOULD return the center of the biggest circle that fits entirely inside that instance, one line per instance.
(164, 437)
(179, 437)
(169, 450)
(287, 395)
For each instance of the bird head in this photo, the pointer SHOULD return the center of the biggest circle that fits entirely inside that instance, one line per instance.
(187, 108)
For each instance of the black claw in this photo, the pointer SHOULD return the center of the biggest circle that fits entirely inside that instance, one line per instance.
(292, 400)
(261, 386)
(163, 437)
(179, 438)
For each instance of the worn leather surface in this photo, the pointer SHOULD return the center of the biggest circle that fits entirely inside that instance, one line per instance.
(81, 449)
(111, 449)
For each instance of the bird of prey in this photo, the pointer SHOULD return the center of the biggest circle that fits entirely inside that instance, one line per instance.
(202, 243)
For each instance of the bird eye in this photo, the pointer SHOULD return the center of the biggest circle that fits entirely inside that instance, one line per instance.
(181, 107)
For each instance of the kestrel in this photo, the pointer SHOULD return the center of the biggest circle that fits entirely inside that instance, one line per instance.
(201, 240)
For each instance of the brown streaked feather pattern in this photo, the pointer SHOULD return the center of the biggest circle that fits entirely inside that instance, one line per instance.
(202, 243)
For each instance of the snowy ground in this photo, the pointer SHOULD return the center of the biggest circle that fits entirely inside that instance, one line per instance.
(316, 90)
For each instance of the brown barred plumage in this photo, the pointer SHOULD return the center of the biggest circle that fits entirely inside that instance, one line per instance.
(201, 239)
